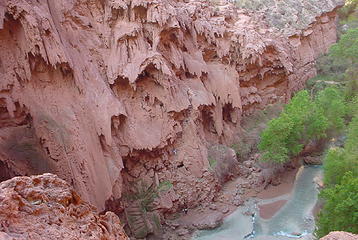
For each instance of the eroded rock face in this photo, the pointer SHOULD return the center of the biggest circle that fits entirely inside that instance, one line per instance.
(103, 93)
(46, 207)
(340, 236)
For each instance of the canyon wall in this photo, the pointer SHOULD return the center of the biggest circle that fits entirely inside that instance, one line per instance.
(105, 93)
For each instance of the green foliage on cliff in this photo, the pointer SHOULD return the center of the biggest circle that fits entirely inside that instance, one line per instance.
(345, 52)
(340, 211)
(347, 47)
(346, 13)
(340, 67)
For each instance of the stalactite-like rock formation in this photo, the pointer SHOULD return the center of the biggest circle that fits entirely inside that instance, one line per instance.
(106, 92)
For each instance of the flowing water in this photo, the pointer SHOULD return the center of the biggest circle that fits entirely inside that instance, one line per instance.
(293, 220)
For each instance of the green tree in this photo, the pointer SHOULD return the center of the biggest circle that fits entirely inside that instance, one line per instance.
(297, 110)
(273, 143)
(316, 124)
(335, 165)
(301, 121)
(333, 105)
(340, 211)
(338, 161)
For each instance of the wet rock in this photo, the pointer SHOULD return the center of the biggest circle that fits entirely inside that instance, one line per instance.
(319, 181)
(310, 160)
(296, 234)
(248, 213)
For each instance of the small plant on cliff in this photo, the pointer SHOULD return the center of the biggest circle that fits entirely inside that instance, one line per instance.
(340, 211)
(165, 186)
(212, 163)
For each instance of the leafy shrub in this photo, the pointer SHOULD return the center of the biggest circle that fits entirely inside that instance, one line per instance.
(165, 186)
(340, 211)
(212, 163)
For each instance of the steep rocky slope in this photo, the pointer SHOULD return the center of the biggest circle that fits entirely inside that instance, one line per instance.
(106, 92)
(46, 207)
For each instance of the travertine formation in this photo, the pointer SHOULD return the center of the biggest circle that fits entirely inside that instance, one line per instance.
(104, 93)
(45, 207)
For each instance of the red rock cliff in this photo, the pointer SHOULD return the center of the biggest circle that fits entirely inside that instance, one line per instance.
(106, 92)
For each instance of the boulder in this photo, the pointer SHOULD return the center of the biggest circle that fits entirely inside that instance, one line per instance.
(340, 236)
(45, 207)
(223, 161)
(209, 221)
(310, 160)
